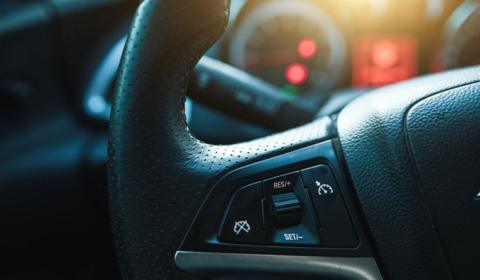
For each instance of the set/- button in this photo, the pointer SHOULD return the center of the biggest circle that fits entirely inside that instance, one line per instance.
(297, 235)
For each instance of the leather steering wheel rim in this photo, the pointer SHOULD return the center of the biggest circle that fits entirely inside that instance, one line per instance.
(159, 174)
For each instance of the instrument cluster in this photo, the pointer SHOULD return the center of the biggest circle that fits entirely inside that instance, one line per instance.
(309, 48)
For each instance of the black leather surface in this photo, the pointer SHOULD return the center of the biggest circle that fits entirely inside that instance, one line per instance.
(444, 137)
(403, 145)
(158, 173)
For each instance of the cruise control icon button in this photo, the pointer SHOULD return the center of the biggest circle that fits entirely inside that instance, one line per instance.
(241, 226)
(243, 222)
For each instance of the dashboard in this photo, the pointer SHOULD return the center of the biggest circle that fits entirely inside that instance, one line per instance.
(317, 52)
(312, 49)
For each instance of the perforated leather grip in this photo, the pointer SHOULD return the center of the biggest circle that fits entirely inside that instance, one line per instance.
(158, 173)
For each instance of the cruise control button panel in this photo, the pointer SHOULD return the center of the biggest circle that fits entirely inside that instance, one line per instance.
(293, 204)
(300, 208)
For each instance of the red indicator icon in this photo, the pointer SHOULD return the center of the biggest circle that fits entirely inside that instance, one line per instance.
(382, 60)
(296, 73)
(307, 48)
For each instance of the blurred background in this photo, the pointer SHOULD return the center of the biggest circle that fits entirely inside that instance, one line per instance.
(278, 65)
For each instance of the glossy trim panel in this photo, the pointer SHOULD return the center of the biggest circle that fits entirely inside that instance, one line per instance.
(217, 264)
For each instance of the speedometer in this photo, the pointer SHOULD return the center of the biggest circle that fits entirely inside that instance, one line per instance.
(294, 45)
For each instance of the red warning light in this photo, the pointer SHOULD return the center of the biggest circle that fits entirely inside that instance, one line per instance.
(382, 60)
(307, 48)
(296, 73)
(385, 54)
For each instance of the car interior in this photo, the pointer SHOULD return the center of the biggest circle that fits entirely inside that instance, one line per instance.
(241, 139)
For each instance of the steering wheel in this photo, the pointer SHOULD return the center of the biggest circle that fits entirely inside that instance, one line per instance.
(388, 190)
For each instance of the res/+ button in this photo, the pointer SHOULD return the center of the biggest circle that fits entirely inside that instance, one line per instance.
(282, 184)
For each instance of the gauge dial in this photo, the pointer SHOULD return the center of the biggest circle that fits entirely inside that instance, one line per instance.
(292, 44)
(462, 36)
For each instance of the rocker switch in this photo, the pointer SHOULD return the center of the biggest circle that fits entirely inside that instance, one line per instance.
(287, 209)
